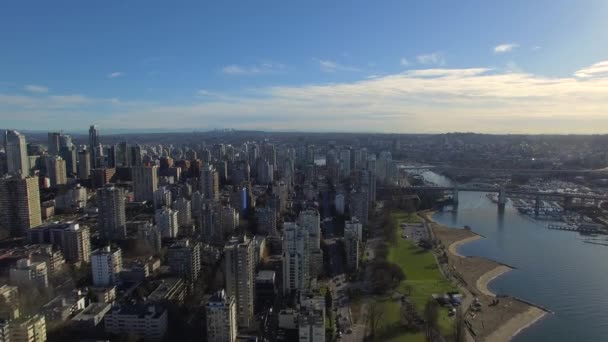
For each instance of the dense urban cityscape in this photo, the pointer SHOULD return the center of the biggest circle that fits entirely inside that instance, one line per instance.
(252, 236)
(310, 171)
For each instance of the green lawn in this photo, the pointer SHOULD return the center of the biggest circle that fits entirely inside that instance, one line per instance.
(422, 274)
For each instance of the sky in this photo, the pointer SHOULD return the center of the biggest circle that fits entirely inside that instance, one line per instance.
(428, 66)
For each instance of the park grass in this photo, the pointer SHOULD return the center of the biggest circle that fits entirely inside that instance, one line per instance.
(422, 273)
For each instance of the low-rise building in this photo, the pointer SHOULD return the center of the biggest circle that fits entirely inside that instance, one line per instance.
(144, 320)
(32, 329)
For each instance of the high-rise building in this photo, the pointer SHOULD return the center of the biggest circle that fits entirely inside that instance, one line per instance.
(352, 241)
(221, 318)
(296, 266)
(16, 154)
(339, 203)
(76, 243)
(184, 212)
(310, 221)
(145, 182)
(209, 181)
(240, 272)
(106, 265)
(162, 197)
(167, 222)
(68, 152)
(53, 143)
(84, 164)
(56, 170)
(210, 220)
(184, 258)
(111, 208)
(266, 221)
(19, 204)
(344, 161)
(230, 220)
(150, 234)
(359, 205)
(94, 145)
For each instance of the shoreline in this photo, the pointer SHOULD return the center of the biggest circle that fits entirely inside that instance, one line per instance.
(469, 267)
(483, 281)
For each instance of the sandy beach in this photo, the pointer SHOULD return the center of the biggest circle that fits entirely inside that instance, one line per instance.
(486, 278)
(454, 246)
(497, 321)
(516, 324)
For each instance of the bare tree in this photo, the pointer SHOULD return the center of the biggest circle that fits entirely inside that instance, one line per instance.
(374, 316)
(459, 327)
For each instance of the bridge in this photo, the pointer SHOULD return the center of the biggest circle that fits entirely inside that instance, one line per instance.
(405, 165)
(504, 193)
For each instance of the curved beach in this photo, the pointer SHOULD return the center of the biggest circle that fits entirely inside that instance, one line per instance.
(500, 318)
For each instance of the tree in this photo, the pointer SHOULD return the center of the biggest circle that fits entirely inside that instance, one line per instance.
(374, 316)
(459, 326)
(431, 317)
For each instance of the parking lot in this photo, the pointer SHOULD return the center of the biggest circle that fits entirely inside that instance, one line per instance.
(414, 231)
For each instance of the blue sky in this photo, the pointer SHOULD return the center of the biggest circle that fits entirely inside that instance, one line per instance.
(386, 66)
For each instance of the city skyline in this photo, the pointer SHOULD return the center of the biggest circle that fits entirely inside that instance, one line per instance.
(345, 67)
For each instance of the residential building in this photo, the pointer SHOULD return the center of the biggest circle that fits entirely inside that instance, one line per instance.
(19, 205)
(111, 218)
(106, 265)
(239, 273)
(295, 258)
(148, 321)
(56, 170)
(184, 258)
(209, 181)
(28, 273)
(32, 329)
(167, 223)
(84, 164)
(266, 221)
(221, 318)
(145, 182)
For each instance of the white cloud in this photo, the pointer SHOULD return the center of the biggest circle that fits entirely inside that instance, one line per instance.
(435, 58)
(327, 65)
(116, 74)
(38, 89)
(428, 100)
(504, 48)
(599, 69)
(404, 62)
(266, 67)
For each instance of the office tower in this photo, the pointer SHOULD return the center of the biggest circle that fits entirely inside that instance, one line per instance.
(209, 181)
(53, 143)
(76, 243)
(111, 207)
(162, 197)
(56, 170)
(145, 182)
(135, 155)
(31, 329)
(68, 152)
(166, 221)
(84, 164)
(295, 258)
(359, 205)
(94, 145)
(184, 212)
(16, 154)
(122, 155)
(266, 221)
(106, 265)
(239, 272)
(150, 234)
(221, 318)
(230, 220)
(28, 273)
(19, 204)
(184, 258)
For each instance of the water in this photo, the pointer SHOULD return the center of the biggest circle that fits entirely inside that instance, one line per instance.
(555, 269)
